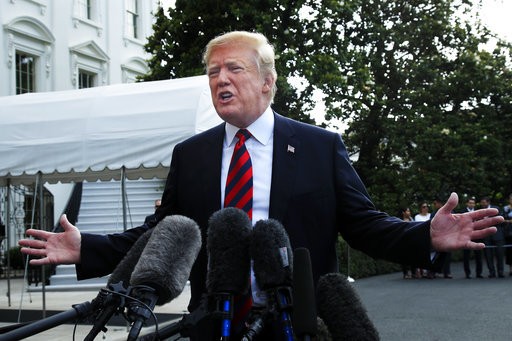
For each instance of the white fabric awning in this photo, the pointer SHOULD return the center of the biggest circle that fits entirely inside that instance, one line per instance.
(91, 134)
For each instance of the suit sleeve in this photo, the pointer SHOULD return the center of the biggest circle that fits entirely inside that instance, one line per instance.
(100, 254)
(373, 232)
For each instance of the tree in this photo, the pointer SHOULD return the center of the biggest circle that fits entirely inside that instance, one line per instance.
(426, 105)
(428, 110)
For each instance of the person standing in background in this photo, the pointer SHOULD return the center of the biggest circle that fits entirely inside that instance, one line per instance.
(470, 207)
(408, 270)
(507, 230)
(158, 202)
(494, 245)
(423, 215)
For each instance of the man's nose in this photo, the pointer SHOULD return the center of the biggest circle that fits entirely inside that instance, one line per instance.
(223, 77)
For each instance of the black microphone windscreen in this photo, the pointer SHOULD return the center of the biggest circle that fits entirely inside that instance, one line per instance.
(228, 240)
(271, 254)
(323, 333)
(124, 269)
(167, 260)
(304, 301)
(341, 309)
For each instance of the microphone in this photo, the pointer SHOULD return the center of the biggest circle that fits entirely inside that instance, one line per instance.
(124, 269)
(323, 333)
(163, 268)
(304, 301)
(108, 303)
(229, 263)
(272, 265)
(340, 308)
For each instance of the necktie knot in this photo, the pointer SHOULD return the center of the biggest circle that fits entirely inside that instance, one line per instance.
(243, 135)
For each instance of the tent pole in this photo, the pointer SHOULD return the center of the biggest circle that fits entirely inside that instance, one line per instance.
(42, 227)
(8, 237)
(123, 194)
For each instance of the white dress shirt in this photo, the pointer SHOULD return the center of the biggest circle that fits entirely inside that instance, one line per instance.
(260, 147)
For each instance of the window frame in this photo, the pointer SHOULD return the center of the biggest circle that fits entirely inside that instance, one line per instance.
(29, 36)
(32, 78)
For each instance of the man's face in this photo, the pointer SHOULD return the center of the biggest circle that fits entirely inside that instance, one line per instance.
(484, 203)
(437, 204)
(471, 204)
(239, 93)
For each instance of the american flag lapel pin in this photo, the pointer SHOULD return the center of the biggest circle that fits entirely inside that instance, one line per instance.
(291, 149)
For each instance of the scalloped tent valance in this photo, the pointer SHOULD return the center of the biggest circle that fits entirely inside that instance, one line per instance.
(91, 134)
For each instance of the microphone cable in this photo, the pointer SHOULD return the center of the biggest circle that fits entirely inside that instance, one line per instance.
(122, 305)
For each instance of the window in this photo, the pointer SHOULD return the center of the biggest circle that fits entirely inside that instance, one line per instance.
(86, 79)
(25, 73)
(87, 13)
(133, 68)
(89, 65)
(29, 56)
(84, 9)
(132, 19)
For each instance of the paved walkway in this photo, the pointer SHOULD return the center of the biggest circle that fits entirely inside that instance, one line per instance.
(413, 309)
(439, 309)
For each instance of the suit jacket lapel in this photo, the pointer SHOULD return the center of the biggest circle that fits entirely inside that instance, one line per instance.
(286, 148)
(211, 159)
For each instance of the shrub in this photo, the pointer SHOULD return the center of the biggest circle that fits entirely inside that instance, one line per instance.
(362, 265)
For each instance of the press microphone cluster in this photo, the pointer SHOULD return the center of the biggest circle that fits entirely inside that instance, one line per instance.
(285, 277)
(163, 269)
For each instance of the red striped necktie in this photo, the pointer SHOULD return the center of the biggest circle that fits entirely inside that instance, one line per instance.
(239, 194)
(239, 181)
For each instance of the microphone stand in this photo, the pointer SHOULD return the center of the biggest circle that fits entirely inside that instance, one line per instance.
(79, 310)
(138, 311)
(280, 299)
(110, 304)
(257, 325)
(105, 301)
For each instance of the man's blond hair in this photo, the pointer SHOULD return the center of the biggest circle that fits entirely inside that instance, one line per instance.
(265, 51)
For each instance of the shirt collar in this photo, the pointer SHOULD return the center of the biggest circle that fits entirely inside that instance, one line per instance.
(261, 129)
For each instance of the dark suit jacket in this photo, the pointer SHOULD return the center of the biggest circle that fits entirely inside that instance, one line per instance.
(315, 193)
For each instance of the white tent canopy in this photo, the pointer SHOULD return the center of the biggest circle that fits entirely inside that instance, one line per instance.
(92, 134)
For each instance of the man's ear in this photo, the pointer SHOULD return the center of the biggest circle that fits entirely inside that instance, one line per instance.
(268, 83)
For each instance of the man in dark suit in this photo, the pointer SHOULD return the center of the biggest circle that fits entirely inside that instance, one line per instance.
(470, 207)
(302, 177)
(495, 242)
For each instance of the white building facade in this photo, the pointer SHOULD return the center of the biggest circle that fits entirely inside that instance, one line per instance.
(49, 45)
(54, 45)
